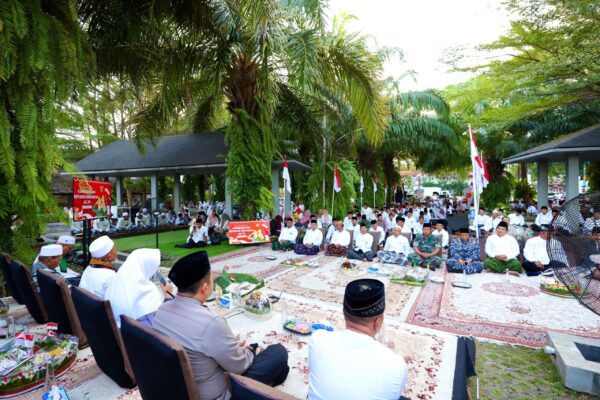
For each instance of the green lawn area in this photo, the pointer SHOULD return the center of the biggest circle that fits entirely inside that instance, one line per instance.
(517, 372)
(167, 242)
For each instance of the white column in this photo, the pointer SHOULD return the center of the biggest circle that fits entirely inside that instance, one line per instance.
(176, 193)
(275, 190)
(119, 190)
(542, 183)
(228, 204)
(154, 192)
(572, 177)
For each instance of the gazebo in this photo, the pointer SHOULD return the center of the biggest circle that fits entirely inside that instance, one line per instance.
(572, 149)
(176, 155)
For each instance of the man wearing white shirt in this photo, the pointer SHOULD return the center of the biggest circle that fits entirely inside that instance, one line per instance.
(98, 276)
(330, 230)
(404, 226)
(348, 221)
(532, 209)
(482, 222)
(376, 228)
(440, 231)
(592, 222)
(366, 210)
(418, 227)
(340, 240)
(363, 244)
(350, 363)
(312, 240)
(287, 237)
(496, 219)
(535, 253)
(396, 248)
(198, 235)
(516, 218)
(502, 251)
(543, 218)
(355, 226)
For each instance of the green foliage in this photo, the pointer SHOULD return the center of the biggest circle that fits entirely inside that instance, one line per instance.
(497, 192)
(44, 60)
(313, 187)
(523, 190)
(593, 171)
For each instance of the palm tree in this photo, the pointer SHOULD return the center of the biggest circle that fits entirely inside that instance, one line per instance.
(253, 59)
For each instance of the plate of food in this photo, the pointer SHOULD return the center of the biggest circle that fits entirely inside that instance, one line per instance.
(298, 326)
(352, 269)
(558, 289)
(595, 258)
(437, 279)
(414, 277)
(272, 258)
(257, 306)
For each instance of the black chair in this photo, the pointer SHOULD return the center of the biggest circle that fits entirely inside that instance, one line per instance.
(5, 260)
(56, 297)
(156, 360)
(243, 388)
(28, 292)
(98, 323)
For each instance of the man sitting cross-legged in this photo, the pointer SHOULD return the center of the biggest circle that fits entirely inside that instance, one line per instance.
(287, 237)
(502, 251)
(349, 363)
(464, 254)
(312, 240)
(535, 252)
(396, 248)
(427, 249)
(340, 240)
(363, 243)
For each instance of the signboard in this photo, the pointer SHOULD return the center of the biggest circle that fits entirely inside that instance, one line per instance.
(245, 232)
(91, 199)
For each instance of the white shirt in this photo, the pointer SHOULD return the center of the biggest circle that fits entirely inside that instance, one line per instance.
(356, 229)
(325, 219)
(590, 223)
(200, 234)
(484, 220)
(532, 209)
(407, 227)
(367, 211)
(363, 242)
(417, 228)
(102, 226)
(516, 219)
(340, 238)
(288, 234)
(315, 237)
(381, 233)
(542, 219)
(330, 232)
(123, 223)
(445, 236)
(348, 223)
(353, 366)
(397, 244)
(495, 222)
(502, 246)
(536, 250)
(97, 280)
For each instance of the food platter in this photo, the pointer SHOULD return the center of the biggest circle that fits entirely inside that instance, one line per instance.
(595, 258)
(559, 290)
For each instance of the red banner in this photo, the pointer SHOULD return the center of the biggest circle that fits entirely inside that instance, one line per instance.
(91, 199)
(245, 232)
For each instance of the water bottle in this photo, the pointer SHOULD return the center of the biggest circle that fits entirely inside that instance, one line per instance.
(506, 276)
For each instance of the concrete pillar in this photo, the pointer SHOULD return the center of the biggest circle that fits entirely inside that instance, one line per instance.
(176, 192)
(228, 203)
(542, 183)
(275, 190)
(154, 192)
(572, 177)
(119, 190)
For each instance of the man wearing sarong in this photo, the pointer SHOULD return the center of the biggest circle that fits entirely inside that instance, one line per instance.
(464, 254)
(427, 249)
(340, 240)
(502, 250)
(396, 248)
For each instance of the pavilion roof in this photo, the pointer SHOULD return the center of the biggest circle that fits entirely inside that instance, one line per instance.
(190, 154)
(585, 143)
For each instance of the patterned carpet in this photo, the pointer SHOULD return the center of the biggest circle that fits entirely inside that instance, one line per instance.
(514, 311)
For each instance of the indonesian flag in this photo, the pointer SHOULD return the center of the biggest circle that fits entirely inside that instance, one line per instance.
(52, 326)
(374, 183)
(480, 176)
(286, 177)
(362, 183)
(25, 339)
(337, 182)
(486, 175)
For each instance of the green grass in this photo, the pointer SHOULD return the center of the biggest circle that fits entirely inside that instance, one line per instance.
(167, 242)
(516, 372)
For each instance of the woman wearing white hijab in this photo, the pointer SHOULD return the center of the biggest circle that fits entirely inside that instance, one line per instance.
(132, 293)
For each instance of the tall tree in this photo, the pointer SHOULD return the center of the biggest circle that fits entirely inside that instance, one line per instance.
(44, 60)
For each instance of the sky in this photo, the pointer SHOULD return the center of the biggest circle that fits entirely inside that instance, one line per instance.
(423, 29)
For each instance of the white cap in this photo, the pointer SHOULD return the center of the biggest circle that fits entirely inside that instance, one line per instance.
(101, 246)
(51, 250)
(126, 214)
(66, 239)
(114, 217)
(145, 210)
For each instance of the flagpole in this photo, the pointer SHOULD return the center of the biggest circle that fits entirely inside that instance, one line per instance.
(333, 198)
(475, 188)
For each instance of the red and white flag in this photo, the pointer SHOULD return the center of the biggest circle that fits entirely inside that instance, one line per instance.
(480, 175)
(25, 339)
(374, 183)
(337, 182)
(287, 181)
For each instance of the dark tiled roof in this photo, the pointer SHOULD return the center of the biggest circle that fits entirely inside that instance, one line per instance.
(585, 143)
(203, 153)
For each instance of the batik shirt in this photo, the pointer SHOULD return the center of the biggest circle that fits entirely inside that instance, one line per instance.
(464, 250)
(427, 244)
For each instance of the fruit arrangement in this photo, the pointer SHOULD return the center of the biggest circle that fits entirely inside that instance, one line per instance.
(559, 289)
(258, 305)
